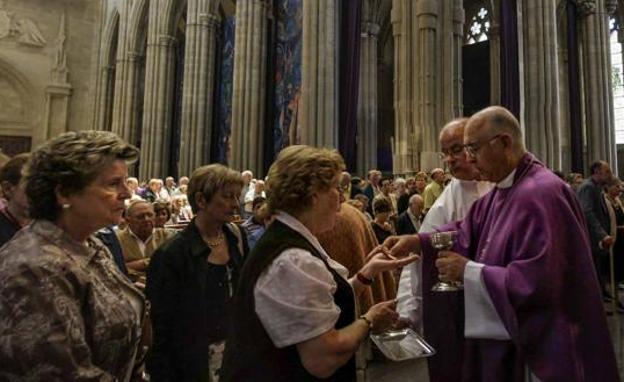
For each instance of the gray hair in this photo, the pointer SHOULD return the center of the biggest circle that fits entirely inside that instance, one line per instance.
(69, 163)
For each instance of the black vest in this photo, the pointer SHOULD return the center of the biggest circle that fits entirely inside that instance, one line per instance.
(250, 354)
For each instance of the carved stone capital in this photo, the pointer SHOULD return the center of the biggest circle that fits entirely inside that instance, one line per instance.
(610, 6)
(166, 41)
(208, 19)
(370, 29)
(585, 7)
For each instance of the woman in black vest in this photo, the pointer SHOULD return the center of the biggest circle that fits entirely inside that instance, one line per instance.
(294, 310)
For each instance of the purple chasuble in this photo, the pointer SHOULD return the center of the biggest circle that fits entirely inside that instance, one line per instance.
(539, 274)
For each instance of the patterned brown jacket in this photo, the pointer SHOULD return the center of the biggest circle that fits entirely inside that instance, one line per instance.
(66, 311)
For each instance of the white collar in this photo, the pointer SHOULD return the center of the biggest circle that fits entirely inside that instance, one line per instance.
(296, 225)
(508, 181)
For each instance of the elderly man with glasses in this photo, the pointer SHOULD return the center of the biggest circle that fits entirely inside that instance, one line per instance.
(532, 303)
(441, 315)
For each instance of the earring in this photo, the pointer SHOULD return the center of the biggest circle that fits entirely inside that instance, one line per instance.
(66, 206)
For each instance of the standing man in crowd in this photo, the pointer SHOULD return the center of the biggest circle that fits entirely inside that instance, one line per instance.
(408, 222)
(590, 194)
(532, 302)
(372, 188)
(433, 189)
(140, 239)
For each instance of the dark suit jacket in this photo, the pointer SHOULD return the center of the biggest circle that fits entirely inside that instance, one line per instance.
(183, 322)
(596, 214)
(404, 225)
(370, 193)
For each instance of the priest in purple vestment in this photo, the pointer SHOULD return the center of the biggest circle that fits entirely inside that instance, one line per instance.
(533, 309)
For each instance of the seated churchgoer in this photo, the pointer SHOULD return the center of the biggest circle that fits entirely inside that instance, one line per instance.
(14, 215)
(191, 280)
(256, 225)
(140, 238)
(180, 210)
(152, 192)
(294, 312)
(381, 223)
(67, 311)
(162, 213)
(254, 192)
(133, 185)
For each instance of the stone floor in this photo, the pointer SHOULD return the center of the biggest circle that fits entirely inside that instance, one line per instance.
(408, 371)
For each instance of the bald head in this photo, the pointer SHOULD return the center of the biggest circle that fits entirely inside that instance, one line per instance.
(493, 142)
(495, 120)
(416, 204)
(454, 128)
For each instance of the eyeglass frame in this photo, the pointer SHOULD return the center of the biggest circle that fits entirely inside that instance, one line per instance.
(454, 152)
(472, 149)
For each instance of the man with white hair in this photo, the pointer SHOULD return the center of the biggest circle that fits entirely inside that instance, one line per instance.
(533, 309)
(247, 176)
(408, 222)
(441, 318)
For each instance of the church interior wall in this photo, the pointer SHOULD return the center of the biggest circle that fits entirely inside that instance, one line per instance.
(100, 37)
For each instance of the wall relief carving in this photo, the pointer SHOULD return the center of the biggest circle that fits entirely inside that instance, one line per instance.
(21, 29)
(12, 109)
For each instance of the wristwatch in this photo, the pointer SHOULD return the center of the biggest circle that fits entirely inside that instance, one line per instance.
(368, 322)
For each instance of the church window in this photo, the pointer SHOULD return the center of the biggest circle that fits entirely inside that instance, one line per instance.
(617, 80)
(479, 27)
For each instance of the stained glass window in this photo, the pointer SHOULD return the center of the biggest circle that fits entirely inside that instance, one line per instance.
(479, 27)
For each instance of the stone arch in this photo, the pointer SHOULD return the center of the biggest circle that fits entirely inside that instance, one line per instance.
(138, 26)
(106, 73)
(19, 112)
(109, 41)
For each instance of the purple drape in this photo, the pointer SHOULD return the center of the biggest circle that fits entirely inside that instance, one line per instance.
(574, 91)
(510, 72)
(349, 75)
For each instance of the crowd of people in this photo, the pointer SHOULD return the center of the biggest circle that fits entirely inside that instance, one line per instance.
(224, 277)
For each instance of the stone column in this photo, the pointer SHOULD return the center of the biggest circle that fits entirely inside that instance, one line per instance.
(541, 81)
(428, 82)
(58, 92)
(596, 64)
(495, 55)
(121, 123)
(459, 17)
(199, 79)
(319, 85)
(429, 66)
(248, 98)
(103, 119)
(406, 143)
(367, 101)
(158, 104)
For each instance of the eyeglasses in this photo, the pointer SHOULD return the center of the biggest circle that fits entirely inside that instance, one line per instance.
(454, 152)
(473, 148)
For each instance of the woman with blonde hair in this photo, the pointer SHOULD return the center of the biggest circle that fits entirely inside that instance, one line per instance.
(67, 311)
(191, 280)
(294, 313)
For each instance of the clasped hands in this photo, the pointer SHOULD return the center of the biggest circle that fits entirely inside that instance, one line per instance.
(450, 264)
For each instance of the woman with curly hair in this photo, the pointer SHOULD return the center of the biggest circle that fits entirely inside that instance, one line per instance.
(67, 311)
(294, 315)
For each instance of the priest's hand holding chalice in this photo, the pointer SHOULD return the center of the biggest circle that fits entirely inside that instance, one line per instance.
(450, 265)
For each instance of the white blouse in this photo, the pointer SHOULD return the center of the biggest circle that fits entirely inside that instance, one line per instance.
(294, 295)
